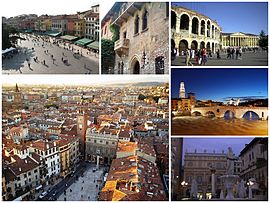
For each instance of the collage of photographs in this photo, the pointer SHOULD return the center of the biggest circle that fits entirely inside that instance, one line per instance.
(134, 100)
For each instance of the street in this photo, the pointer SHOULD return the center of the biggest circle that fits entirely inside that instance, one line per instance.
(39, 57)
(248, 59)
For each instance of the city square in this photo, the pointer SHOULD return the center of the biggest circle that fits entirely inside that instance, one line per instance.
(86, 187)
(219, 169)
(59, 58)
(250, 58)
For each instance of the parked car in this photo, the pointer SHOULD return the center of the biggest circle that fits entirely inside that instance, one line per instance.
(42, 195)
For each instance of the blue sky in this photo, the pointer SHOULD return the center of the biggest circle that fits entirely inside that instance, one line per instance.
(248, 17)
(217, 144)
(220, 83)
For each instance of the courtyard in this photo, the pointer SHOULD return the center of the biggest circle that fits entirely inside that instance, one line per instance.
(86, 187)
(60, 58)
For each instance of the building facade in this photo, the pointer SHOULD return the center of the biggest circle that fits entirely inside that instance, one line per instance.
(100, 144)
(239, 39)
(198, 166)
(176, 169)
(143, 44)
(193, 30)
(254, 159)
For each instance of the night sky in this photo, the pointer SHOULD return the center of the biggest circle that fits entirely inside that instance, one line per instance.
(217, 144)
(248, 17)
(219, 84)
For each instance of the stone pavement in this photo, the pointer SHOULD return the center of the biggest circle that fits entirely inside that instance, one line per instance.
(248, 59)
(86, 188)
(76, 63)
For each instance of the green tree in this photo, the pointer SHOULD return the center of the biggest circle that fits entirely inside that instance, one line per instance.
(6, 32)
(263, 41)
(115, 30)
(107, 55)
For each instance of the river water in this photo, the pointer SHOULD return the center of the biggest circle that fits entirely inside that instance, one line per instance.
(191, 125)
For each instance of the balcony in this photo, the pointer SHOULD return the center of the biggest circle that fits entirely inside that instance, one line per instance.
(121, 47)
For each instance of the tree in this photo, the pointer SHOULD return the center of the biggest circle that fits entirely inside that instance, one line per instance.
(6, 32)
(263, 41)
(115, 30)
(107, 56)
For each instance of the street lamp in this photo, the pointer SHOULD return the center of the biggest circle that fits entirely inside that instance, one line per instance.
(250, 183)
(184, 184)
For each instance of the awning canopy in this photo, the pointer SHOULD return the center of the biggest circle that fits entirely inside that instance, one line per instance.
(94, 45)
(69, 37)
(8, 50)
(53, 33)
(83, 42)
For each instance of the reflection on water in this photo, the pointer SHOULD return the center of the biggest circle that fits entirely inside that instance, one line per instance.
(190, 125)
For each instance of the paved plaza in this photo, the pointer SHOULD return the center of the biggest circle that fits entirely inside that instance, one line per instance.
(85, 188)
(58, 60)
(248, 59)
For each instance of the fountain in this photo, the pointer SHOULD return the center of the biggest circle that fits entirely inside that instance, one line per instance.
(229, 178)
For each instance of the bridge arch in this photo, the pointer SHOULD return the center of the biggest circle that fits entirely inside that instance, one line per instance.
(196, 113)
(229, 114)
(251, 115)
(210, 114)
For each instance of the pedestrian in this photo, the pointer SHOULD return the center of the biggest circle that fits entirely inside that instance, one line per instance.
(29, 64)
(218, 54)
(204, 57)
(188, 55)
(62, 59)
(44, 62)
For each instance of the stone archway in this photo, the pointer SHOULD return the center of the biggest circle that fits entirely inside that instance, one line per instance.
(202, 27)
(184, 22)
(173, 19)
(229, 114)
(135, 66)
(202, 45)
(213, 47)
(251, 115)
(194, 45)
(183, 45)
(195, 26)
(208, 46)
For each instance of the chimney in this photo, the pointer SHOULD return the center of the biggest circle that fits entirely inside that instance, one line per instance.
(54, 144)
(25, 161)
(20, 169)
(48, 146)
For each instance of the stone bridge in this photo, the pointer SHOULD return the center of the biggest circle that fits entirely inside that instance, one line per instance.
(234, 111)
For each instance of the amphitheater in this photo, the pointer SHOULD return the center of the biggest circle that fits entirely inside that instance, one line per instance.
(193, 30)
(190, 29)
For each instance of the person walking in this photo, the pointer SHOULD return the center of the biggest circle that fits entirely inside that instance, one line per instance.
(188, 55)
(204, 56)
(218, 54)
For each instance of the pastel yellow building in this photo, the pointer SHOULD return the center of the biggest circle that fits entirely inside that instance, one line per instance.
(79, 27)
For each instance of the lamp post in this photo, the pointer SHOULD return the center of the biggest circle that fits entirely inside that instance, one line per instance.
(250, 183)
(184, 184)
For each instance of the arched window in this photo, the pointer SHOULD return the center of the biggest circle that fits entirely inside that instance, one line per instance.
(144, 20)
(136, 25)
(159, 65)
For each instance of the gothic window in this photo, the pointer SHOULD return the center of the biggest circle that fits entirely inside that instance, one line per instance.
(145, 20)
(159, 65)
(136, 25)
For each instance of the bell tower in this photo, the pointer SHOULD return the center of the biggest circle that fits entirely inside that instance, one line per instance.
(182, 91)
(81, 129)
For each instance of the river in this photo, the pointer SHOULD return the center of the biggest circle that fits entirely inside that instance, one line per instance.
(198, 125)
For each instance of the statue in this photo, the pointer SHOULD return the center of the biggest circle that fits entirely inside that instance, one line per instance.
(230, 162)
(242, 191)
(194, 189)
